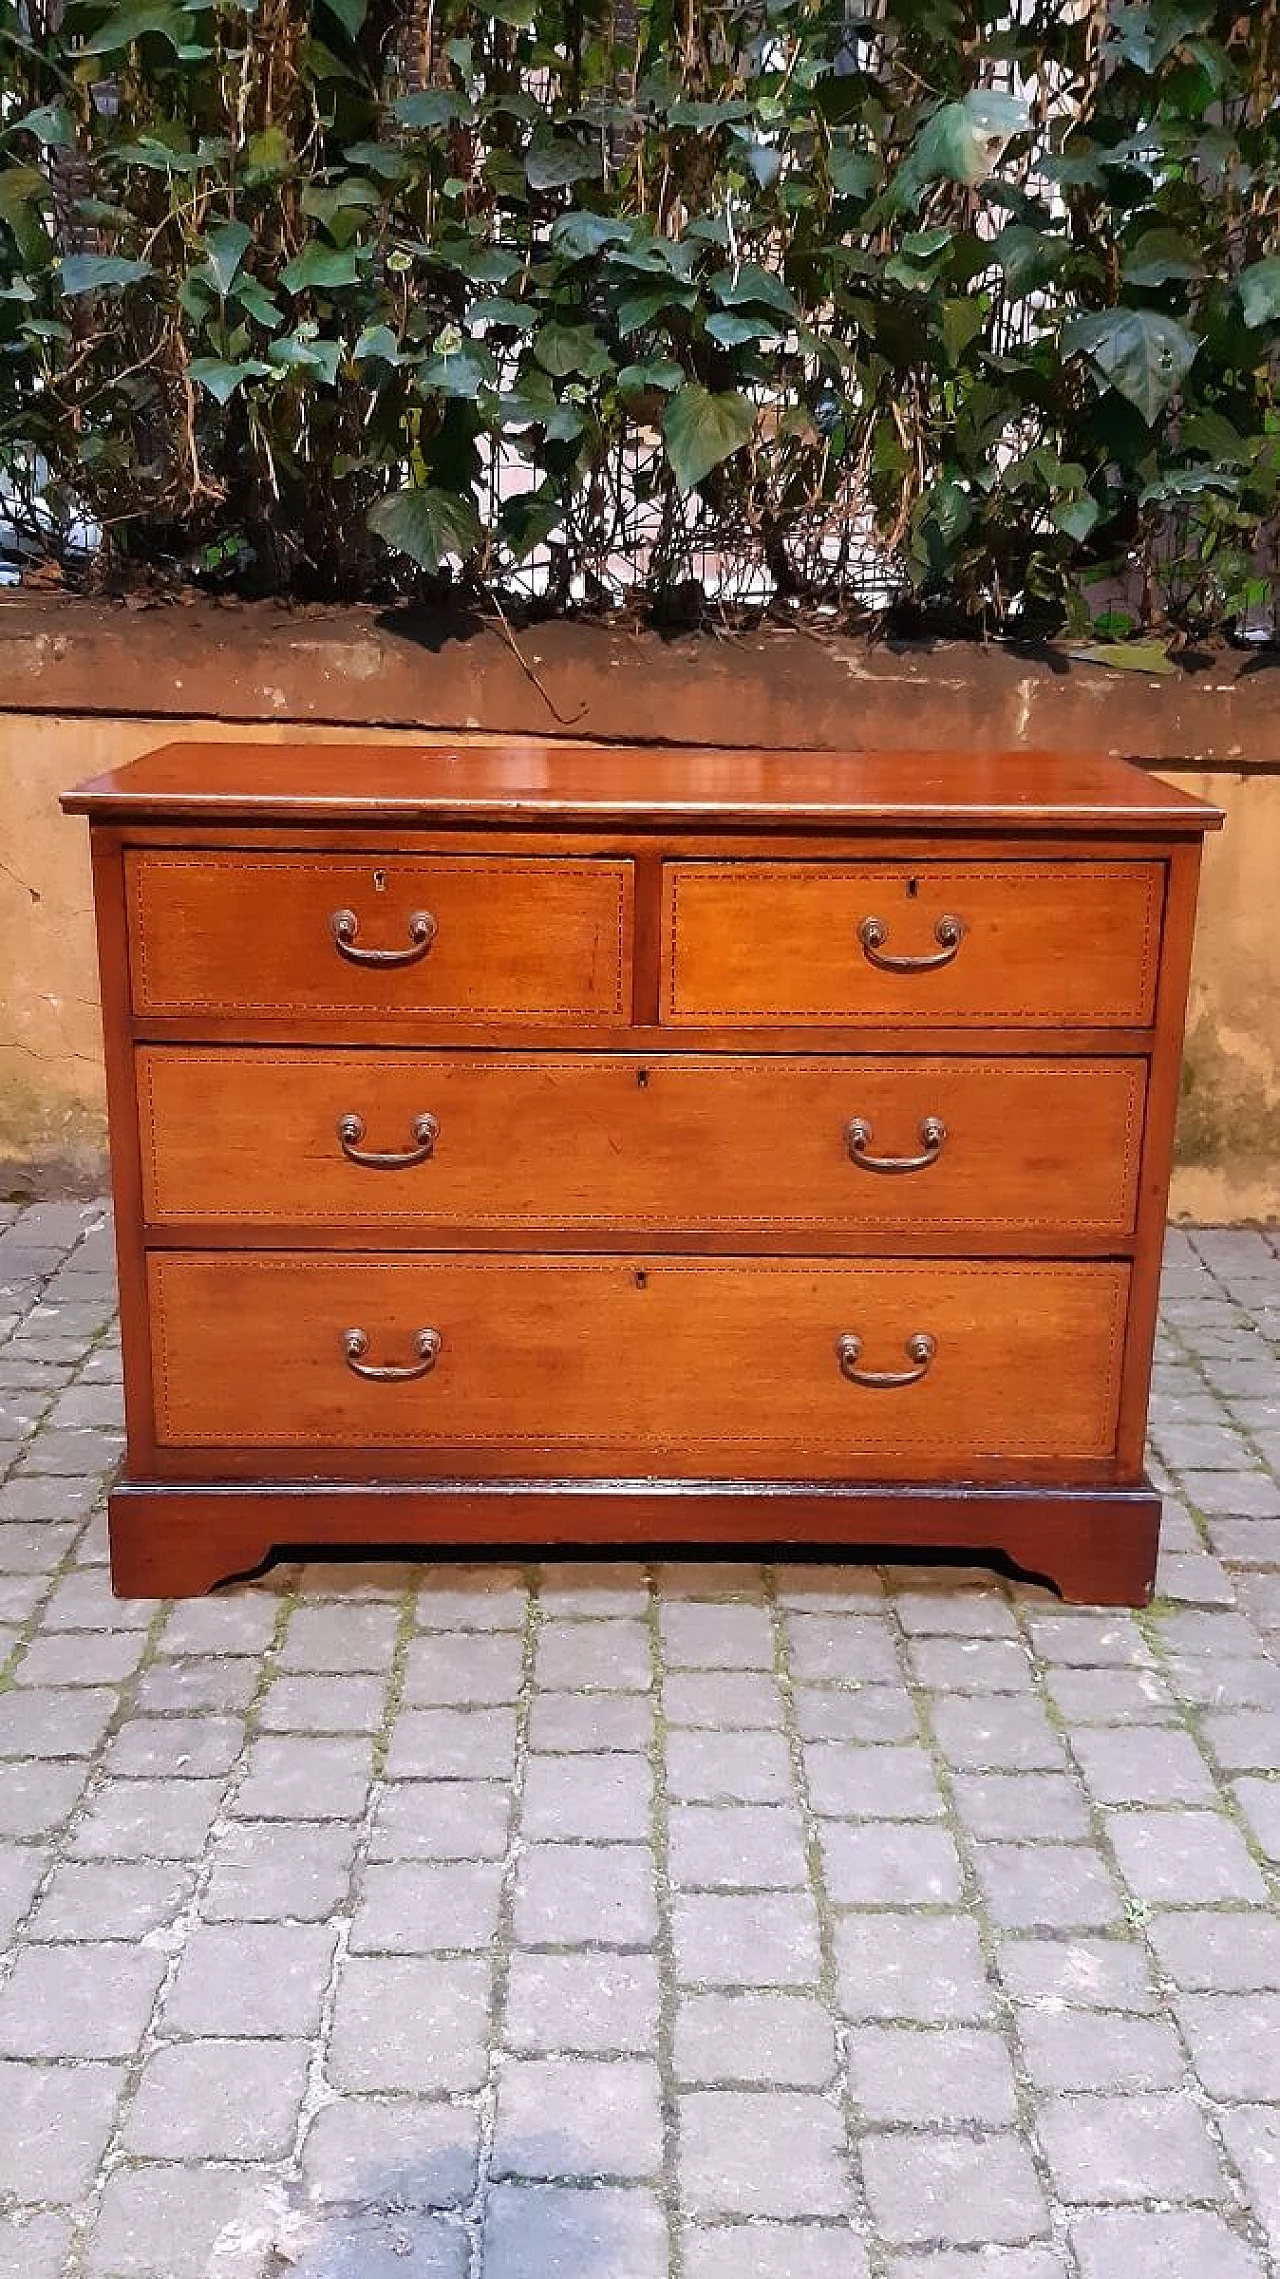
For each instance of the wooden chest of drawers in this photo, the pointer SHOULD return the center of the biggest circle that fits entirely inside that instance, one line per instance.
(558, 1144)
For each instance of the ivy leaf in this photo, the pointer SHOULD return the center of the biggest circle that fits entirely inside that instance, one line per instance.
(1129, 656)
(701, 430)
(319, 62)
(564, 348)
(428, 525)
(520, 316)
(1146, 36)
(483, 264)
(662, 372)
(530, 403)
(1161, 257)
(960, 322)
(226, 247)
(349, 13)
(1076, 517)
(691, 113)
(920, 259)
(380, 158)
(656, 257)
(100, 273)
(256, 301)
(157, 155)
(20, 187)
(222, 379)
(529, 519)
(564, 425)
(463, 371)
(377, 340)
(320, 265)
(432, 107)
(320, 356)
(735, 331)
(753, 287)
(578, 236)
(554, 165)
(51, 124)
(132, 23)
(961, 142)
(1179, 483)
(326, 202)
(267, 154)
(1028, 257)
(1143, 355)
(1210, 432)
(853, 173)
(1260, 291)
(635, 310)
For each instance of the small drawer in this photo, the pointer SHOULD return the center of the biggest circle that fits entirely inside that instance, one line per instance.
(410, 936)
(642, 1366)
(416, 1145)
(1072, 944)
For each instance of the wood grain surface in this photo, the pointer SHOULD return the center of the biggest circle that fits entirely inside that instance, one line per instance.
(644, 1364)
(532, 1144)
(229, 932)
(1053, 942)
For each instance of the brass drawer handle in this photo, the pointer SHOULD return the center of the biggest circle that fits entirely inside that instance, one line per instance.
(932, 1134)
(920, 1348)
(428, 1343)
(426, 1132)
(344, 926)
(873, 934)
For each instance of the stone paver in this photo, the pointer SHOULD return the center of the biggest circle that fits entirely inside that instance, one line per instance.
(594, 1920)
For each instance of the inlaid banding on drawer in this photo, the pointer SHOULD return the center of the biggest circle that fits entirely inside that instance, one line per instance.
(686, 1142)
(952, 944)
(402, 937)
(649, 1366)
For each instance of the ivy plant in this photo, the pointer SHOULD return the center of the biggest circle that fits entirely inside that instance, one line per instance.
(963, 313)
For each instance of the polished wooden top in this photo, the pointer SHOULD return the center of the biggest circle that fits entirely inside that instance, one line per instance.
(518, 779)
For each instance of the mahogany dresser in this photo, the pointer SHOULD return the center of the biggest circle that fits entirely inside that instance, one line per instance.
(545, 1143)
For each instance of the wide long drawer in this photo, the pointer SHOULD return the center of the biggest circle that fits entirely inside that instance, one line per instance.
(1069, 944)
(417, 1144)
(275, 935)
(642, 1366)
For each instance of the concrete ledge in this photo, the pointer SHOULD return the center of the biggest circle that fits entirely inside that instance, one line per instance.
(365, 667)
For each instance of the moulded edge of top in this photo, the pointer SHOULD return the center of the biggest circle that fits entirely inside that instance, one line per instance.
(520, 780)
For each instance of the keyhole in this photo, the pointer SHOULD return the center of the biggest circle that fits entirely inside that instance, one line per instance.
(642, 1280)
(642, 1077)
(913, 889)
(379, 882)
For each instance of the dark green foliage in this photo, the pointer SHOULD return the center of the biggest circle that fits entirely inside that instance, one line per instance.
(969, 312)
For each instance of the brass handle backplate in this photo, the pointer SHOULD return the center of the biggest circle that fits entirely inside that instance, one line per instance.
(344, 926)
(920, 1349)
(355, 1343)
(425, 1129)
(932, 1134)
(873, 933)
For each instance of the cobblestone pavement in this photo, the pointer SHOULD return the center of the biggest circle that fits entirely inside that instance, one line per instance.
(588, 1922)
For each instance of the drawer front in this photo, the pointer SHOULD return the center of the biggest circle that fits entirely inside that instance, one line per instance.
(643, 1366)
(414, 935)
(1070, 943)
(682, 1144)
